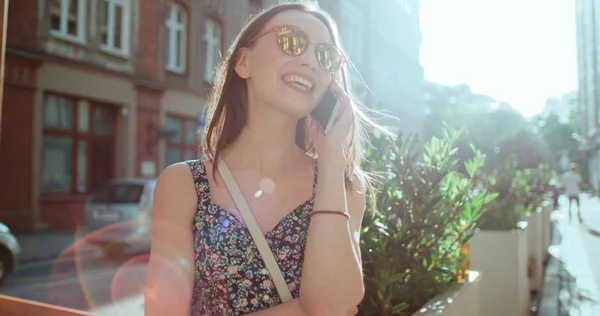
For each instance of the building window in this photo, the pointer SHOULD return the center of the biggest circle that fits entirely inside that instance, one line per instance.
(114, 21)
(212, 49)
(67, 19)
(183, 140)
(176, 39)
(77, 145)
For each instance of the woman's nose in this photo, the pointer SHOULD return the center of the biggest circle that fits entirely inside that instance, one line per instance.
(309, 58)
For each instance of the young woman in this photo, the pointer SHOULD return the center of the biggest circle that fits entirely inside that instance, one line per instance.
(203, 260)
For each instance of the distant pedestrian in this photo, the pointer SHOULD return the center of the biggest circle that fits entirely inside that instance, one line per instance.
(572, 188)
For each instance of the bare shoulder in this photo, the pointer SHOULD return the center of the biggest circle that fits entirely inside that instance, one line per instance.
(172, 247)
(175, 194)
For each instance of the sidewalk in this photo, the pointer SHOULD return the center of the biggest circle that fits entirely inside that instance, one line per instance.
(572, 283)
(50, 245)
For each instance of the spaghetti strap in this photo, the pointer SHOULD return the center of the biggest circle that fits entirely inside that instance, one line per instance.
(198, 170)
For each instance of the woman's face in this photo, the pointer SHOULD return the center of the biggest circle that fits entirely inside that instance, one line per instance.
(292, 84)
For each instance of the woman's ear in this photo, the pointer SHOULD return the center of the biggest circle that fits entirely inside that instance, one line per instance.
(242, 64)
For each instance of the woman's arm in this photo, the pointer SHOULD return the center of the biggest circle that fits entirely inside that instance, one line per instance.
(332, 281)
(170, 276)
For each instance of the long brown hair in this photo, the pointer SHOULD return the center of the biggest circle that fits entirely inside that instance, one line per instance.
(227, 108)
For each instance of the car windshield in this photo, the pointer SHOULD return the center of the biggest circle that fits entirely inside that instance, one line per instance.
(118, 193)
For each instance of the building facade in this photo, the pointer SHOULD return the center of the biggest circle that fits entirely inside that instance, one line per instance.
(383, 39)
(102, 89)
(3, 18)
(588, 39)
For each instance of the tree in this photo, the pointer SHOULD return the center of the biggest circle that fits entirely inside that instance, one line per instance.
(496, 128)
(558, 126)
(561, 138)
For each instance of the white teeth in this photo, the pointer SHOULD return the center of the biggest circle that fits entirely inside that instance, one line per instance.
(299, 82)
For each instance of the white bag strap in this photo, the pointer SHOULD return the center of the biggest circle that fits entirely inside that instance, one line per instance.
(257, 235)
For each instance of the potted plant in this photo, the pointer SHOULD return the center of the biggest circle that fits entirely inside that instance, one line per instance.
(537, 198)
(500, 249)
(425, 212)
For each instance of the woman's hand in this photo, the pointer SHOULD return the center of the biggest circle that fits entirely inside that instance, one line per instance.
(332, 145)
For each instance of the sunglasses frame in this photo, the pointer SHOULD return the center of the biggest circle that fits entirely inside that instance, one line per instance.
(317, 44)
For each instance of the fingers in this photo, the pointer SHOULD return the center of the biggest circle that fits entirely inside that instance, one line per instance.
(345, 113)
(340, 111)
(343, 98)
(338, 91)
(313, 128)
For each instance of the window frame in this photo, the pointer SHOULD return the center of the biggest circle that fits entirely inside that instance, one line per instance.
(182, 146)
(63, 32)
(110, 47)
(76, 136)
(214, 41)
(172, 28)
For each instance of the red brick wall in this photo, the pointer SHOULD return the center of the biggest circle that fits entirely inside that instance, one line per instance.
(16, 144)
(16, 150)
(150, 53)
(22, 24)
(3, 14)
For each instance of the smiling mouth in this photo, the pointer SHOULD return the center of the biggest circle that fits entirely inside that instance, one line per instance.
(299, 82)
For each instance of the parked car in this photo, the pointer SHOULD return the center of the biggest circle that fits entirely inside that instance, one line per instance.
(9, 252)
(118, 215)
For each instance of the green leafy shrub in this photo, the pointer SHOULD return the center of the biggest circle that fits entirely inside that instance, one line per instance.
(426, 211)
(519, 192)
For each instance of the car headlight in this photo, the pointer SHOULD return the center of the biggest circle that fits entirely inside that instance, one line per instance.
(4, 228)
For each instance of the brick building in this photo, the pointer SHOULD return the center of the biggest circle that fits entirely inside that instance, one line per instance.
(101, 89)
(3, 18)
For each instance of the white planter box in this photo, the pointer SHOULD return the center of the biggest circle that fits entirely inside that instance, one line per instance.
(535, 243)
(459, 300)
(546, 227)
(501, 258)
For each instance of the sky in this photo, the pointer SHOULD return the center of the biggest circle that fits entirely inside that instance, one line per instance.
(517, 51)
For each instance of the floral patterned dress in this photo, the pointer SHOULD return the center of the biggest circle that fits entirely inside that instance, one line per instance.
(230, 275)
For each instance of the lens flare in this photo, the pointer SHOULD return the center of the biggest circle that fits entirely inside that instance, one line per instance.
(129, 279)
(267, 185)
(101, 281)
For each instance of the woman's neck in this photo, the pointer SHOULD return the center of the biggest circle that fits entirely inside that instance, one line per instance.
(267, 144)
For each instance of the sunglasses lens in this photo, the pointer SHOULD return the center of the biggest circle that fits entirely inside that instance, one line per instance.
(291, 40)
(329, 57)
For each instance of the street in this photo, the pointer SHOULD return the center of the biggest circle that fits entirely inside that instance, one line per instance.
(579, 255)
(107, 287)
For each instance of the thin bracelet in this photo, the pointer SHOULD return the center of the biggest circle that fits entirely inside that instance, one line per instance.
(331, 212)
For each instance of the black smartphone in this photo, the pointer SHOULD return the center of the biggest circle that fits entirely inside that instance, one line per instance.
(326, 111)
